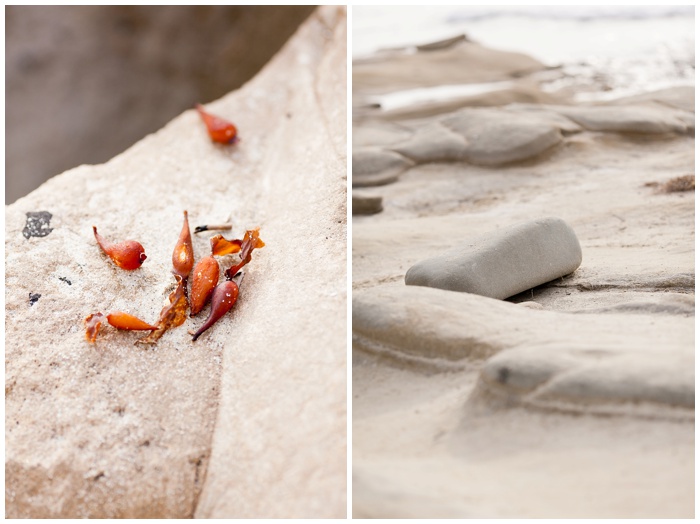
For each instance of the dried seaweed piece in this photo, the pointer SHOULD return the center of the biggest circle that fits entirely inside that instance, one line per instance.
(211, 227)
(680, 183)
(93, 324)
(220, 130)
(127, 255)
(183, 255)
(251, 241)
(204, 280)
(121, 320)
(118, 319)
(222, 300)
(172, 315)
(220, 246)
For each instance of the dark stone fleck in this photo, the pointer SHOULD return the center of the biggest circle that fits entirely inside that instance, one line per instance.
(37, 224)
(33, 297)
(65, 280)
(503, 374)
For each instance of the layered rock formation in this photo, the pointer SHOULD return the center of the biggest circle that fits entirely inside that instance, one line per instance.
(573, 398)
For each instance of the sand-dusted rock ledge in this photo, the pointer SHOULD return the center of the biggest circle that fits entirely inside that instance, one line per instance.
(250, 420)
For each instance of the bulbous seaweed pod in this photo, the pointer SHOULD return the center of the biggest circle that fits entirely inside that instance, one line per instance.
(127, 255)
(222, 300)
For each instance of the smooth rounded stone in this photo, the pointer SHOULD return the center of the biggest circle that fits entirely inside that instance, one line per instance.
(365, 204)
(593, 378)
(497, 137)
(372, 166)
(433, 143)
(503, 263)
(630, 119)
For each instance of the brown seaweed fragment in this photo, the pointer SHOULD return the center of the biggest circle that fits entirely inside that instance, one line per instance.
(251, 240)
(172, 315)
(220, 246)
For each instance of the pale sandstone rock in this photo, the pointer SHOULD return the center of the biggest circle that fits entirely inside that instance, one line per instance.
(421, 325)
(624, 360)
(462, 63)
(495, 137)
(373, 166)
(505, 262)
(379, 133)
(434, 143)
(249, 420)
(682, 97)
(629, 119)
(600, 379)
(482, 136)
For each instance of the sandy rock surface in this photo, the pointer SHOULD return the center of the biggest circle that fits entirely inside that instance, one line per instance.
(574, 398)
(249, 420)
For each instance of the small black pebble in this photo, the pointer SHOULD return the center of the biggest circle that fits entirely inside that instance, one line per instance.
(65, 280)
(33, 297)
(37, 224)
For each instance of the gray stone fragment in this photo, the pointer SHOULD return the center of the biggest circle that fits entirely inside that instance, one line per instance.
(503, 263)
(372, 166)
(365, 204)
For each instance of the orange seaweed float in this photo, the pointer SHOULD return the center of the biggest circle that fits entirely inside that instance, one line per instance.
(220, 130)
(127, 255)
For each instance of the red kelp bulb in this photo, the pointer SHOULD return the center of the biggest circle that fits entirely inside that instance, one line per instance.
(204, 280)
(127, 255)
(125, 321)
(220, 130)
(222, 300)
(183, 255)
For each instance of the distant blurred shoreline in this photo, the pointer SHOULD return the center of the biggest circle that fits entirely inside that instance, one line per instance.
(604, 51)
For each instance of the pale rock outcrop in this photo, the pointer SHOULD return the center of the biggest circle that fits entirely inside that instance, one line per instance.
(458, 62)
(250, 420)
(624, 359)
(373, 166)
(599, 379)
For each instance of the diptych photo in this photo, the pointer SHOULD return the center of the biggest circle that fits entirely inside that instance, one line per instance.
(349, 262)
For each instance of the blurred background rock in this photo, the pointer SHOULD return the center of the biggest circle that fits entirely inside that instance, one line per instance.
(83, 83)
